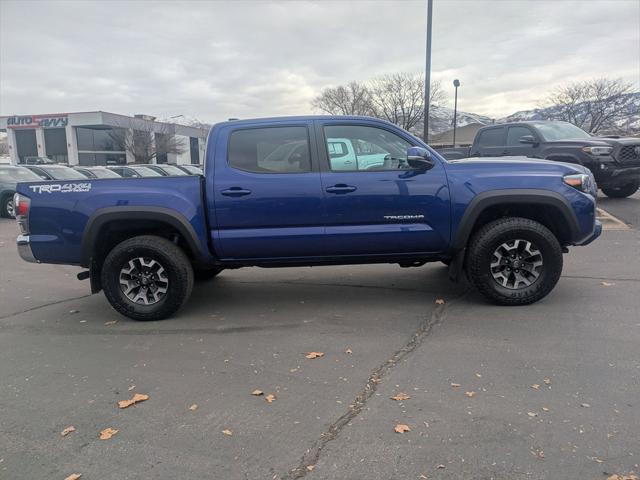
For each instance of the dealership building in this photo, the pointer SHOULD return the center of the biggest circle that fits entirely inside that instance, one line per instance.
(100, 138)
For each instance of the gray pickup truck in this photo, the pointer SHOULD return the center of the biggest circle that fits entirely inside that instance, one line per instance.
(614, 161)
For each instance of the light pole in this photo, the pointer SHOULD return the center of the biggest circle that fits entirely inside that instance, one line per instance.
(427, 76)
(456, 83)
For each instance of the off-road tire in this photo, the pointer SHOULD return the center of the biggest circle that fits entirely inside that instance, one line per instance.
(4, 207)
(488, 238)
(204, 275)
(623, 190)
(171, 257)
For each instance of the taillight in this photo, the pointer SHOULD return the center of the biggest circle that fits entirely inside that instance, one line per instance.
(21, 205)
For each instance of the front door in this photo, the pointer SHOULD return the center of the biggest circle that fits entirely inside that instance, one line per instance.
(513, 145)
(375, 203)
(267, 193)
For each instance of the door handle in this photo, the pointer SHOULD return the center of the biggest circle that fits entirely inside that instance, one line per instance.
(235, 192)
(341, 188)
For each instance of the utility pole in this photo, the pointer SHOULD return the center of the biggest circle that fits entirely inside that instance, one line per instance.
(427, 76)
(456, 83)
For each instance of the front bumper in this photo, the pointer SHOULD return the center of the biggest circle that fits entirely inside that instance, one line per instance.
(597, 230)
(616, 176)
(24, 249)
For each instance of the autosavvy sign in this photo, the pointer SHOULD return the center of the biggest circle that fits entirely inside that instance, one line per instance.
(55, 120)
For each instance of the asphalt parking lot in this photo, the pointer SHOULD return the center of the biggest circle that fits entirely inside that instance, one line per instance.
(546, 391)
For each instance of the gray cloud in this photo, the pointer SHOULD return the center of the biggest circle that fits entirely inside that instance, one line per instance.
(214, 60)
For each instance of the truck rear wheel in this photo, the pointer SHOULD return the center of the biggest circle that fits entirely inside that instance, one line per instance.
(623, 190)
(147, 278)
(514, 261)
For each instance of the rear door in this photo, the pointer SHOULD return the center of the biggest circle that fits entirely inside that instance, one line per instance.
(380, 205)
(267, 192)
(490, 143)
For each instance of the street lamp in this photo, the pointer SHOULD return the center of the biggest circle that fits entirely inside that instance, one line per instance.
(456, 83)
(427, 76)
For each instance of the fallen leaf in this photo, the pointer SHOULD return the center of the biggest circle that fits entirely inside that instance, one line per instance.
(193, 407)
(107, 433)
(616, 476)
(585, 405)
(348, 350)
(532, 414)
(310, 467)
(312, 355)
(112, 322)
(597, 460)
(400, 428)
(439, 301)
(257, 393)
(545, 409)
(455, 385)
(227, 432)
(270, 398)
(131, 387)
(536, 386)
(470, 394)
(478, 375)
(73, 476)
(547, 381)
(78, 311)
(400, 396)
(607, 284)
(138, 397)
(441, 467)
(68, 430)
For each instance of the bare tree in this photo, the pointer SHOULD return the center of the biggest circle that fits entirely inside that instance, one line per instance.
(351, 99)
(147, 141)
(399, 98)
(594, 105)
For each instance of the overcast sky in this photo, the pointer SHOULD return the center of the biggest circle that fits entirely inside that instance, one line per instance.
(214, 60)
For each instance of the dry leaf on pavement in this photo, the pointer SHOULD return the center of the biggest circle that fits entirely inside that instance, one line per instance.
(112, 322)
(455, 385)
(73, 476)
(470, 394)
(270, 398)
(441, 466)
(131, 387)
(545, 409)
(348, 350)
(607, 284)
(310, 467)
(138, 397)
(547, 381)
(400, 396)
(616, 476)
(535, 386)
(107, 433)
(257, 393)
(193, 407)
(227, 432)
(532, 414)
(585, 405)
(68, 430)
(312, 355)
(439, 301)
(401, 428)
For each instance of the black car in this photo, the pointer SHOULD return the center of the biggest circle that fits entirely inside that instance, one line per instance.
(55, 172)
(614, 161)
(134, 171)
(97, 172)
(10, 176)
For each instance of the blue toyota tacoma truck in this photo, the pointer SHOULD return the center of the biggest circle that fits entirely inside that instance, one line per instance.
(316, 190)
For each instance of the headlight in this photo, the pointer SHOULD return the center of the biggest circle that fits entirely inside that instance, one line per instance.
(581, 181)
(598, 150)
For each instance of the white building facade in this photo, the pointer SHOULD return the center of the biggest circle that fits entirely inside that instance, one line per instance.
(87, 138)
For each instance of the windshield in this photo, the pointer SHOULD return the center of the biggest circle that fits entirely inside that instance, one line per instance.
(171, 170)
(104, 173)
(146, 172)
(19, 175)
(64, 173)
(560, 131)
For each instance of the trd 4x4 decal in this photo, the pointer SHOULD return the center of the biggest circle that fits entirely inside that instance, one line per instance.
(61, 187)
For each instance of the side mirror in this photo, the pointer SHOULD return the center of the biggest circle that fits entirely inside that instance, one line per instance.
(528, 139)
(419, 158)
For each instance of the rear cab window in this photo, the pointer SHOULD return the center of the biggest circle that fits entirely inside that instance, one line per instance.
(270, 150)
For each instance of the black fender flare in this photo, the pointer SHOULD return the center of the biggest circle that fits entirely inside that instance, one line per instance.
(513, 197)
(103, 216)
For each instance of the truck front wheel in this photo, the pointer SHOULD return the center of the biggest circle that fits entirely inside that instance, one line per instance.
(147, 278)
(623, 190)
(514, 261)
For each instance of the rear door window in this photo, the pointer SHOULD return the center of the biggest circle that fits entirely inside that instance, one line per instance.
(270, 150)
(492, 137)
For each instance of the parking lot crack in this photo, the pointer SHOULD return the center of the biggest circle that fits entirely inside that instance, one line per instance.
(312, 455)
(13, 314)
